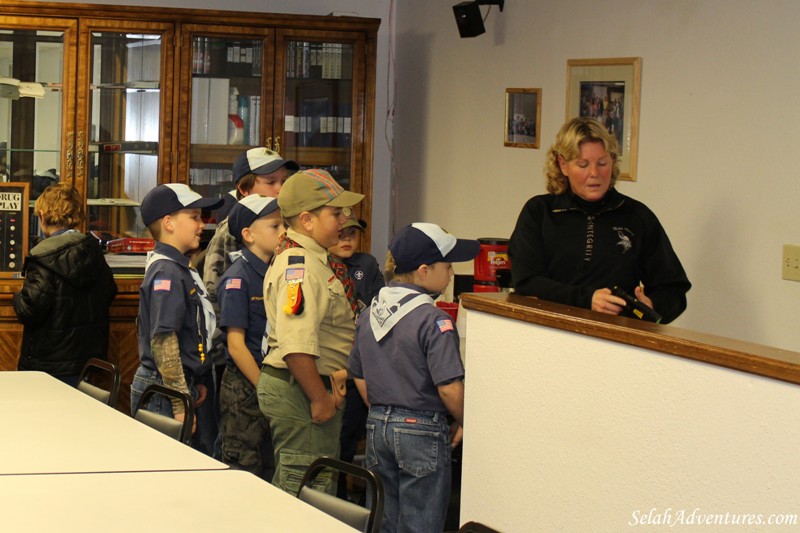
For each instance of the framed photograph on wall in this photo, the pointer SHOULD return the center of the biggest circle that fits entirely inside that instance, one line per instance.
(523, 118)
(609, 91)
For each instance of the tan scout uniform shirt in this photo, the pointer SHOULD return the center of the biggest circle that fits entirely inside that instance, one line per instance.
(326, 327)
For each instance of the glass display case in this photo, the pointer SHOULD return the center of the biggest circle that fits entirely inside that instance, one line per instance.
(318, 105)
(123, 147)
(229, 72)
(33, 53)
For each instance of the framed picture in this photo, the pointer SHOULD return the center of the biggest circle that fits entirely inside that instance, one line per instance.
(523, 118)
(14, 223)
(609, 90)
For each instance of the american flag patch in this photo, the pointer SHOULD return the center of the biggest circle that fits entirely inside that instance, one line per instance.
(162, 285)
(233, 283)
(444, 325)
(294, 274)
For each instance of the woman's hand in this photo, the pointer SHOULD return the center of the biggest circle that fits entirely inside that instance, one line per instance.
(639, 293)
(605, 302)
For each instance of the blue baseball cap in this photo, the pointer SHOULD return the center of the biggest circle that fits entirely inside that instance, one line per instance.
(422, 243)
(167, 198)
(248, 210)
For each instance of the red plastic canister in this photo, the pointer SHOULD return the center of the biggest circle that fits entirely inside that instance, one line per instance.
(492, 256)
(485, 286)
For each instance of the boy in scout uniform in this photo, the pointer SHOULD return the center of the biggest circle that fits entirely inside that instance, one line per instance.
(255, 222)
(310, 302)
(175, 319)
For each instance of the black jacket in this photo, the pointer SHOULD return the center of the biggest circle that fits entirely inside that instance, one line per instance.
(563, 249)
(64, 304)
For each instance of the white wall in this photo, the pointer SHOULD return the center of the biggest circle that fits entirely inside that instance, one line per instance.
(362, 8)
(564, 432)
(718, 133)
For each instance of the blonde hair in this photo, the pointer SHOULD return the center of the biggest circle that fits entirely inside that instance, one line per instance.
(568, 143)
(60, 206)
(389, 273)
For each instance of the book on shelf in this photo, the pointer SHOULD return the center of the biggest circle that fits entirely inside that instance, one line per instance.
(139, 147)
(210, 110)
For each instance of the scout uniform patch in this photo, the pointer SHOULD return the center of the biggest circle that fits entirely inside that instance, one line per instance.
(294, 275)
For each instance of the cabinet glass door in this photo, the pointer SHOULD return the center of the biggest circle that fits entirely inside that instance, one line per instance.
(124, 128)
(317, 101)
(36, 122)
(229, 73)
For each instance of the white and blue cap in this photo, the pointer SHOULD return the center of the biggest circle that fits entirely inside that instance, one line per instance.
(260, 161)
(422, 243)
(165, 199)
(248, 210)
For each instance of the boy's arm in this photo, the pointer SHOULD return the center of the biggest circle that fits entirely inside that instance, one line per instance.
(452, 396)
(242, 356)
(361, 385)
(303, 367)
(167, 356)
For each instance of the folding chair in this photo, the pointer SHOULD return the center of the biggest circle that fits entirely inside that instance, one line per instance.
(176, 429)
(352, 514)
(99, 371)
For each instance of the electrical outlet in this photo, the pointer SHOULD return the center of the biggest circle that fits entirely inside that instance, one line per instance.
(791, 262)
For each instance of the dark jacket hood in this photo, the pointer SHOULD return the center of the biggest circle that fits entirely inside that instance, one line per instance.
(75, 257)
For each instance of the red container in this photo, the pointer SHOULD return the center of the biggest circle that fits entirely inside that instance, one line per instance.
(451, 308)
(492, 256)
(486, 286)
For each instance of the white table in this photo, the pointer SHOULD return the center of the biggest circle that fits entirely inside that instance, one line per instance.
(49, 427)
(211, 500)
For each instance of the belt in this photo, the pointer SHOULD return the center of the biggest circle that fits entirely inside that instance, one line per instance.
(285, 375)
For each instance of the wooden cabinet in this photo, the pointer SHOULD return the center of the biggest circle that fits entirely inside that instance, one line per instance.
(140, 96)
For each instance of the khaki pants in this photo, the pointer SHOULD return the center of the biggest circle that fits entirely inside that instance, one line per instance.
(297, 440)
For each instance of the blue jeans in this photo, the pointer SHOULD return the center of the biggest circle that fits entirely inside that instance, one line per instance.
(206, 433)
(411, 453)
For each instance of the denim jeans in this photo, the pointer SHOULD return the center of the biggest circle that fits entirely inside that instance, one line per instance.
(410, 451)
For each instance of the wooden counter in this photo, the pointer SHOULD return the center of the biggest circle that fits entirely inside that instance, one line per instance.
(122, 344)
(739, 355)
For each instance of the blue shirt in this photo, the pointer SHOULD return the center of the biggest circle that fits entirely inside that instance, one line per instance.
(240, 293)
(366, 274)
(169, 300)
(405, 367)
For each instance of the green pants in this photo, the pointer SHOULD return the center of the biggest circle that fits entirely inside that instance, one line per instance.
(297, 440)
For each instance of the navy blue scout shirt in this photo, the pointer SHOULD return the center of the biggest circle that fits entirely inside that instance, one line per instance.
(366, 273)
(419, 353)
(169, 301)
(240, 293)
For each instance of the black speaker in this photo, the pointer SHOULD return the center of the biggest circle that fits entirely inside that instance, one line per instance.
(469, 19)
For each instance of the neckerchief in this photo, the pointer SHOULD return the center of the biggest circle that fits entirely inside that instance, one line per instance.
(339, 270)
(392, 304)
(209, 317)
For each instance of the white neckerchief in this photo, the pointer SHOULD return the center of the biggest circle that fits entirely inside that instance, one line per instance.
(208, 309)
(392, 304)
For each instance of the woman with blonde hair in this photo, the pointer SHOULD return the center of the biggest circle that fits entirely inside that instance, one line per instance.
(583, 239)
(68, 289)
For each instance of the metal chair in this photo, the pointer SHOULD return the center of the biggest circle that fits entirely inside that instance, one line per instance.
(167, 425)
(364, 519)
(100, 371)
